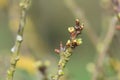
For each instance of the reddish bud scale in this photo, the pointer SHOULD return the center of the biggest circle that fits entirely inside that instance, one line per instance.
(57, 51)
(78, 30)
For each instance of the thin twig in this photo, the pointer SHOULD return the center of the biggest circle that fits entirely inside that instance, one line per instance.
(16, 48)
(104, 47)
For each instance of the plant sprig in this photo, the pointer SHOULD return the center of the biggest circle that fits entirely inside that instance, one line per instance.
(24, 5)
(66, 51)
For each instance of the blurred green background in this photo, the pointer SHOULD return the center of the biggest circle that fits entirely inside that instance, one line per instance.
(47, 24)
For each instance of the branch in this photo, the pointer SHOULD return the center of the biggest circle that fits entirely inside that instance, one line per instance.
(104, 47)
(16, 48)
(66, 52)
(107, 40)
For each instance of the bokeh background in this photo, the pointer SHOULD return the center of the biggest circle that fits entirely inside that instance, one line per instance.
(47, 24)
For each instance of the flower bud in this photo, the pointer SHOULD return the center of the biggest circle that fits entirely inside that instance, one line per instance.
(60, 72)
(77, 22)
(79, 41)
(71, 29)
(68, 43)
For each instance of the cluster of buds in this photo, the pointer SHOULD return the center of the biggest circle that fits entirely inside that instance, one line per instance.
(74, 41)
(74, 32)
